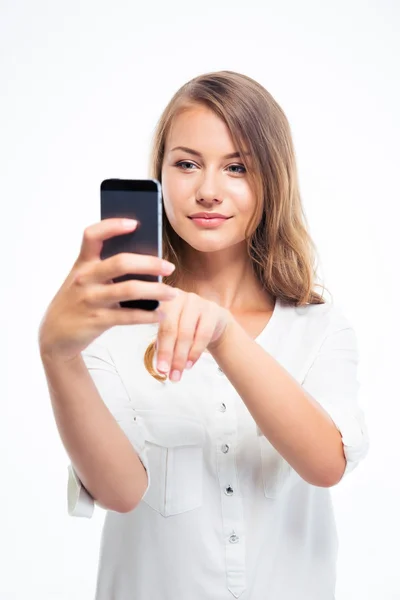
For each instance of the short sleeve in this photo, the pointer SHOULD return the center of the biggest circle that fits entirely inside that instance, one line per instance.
(115, 396)
(332, 381)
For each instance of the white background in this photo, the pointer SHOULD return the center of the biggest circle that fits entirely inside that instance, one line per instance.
(82, 86)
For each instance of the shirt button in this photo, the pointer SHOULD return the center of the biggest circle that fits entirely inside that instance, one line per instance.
(225, 448)
(233, 538)
(229, 491)
(222, 407)
(220, 371)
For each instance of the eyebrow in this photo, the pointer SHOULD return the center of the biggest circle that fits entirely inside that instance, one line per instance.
(195, 153)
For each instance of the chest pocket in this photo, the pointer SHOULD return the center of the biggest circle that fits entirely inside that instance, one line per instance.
(276, 470)
(174, 451)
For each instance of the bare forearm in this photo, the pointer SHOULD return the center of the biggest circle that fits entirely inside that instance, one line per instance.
(295, 424)
(102, 455)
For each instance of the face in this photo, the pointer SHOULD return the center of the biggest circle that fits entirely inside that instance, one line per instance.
(203, 172)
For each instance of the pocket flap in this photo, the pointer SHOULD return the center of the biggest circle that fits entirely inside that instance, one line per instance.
(171, 431)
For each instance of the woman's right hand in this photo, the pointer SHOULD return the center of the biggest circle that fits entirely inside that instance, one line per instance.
(87, 303)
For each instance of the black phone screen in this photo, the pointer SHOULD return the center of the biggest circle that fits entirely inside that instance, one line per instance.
(140, 200)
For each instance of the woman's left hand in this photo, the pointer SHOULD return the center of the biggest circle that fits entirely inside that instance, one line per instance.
(191, 325)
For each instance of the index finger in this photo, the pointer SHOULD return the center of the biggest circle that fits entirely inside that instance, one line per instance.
(94, 235)
(167, 334)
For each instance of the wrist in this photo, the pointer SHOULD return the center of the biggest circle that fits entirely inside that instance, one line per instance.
(219, 343)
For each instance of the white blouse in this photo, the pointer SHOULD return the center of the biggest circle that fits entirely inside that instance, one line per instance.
(224, 515)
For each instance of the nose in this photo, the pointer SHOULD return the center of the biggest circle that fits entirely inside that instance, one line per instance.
(208, 192)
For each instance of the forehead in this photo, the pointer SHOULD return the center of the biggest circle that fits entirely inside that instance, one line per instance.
(199, 128)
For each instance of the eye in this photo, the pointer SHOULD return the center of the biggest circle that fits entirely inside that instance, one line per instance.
(241, 169)
(185, 165)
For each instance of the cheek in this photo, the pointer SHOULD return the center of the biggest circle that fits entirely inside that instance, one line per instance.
(244, 198)
(167, 193)
(176, 193)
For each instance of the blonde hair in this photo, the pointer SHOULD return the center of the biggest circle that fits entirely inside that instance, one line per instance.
(279, 246)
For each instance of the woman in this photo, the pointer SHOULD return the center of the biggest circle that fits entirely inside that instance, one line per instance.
(213, 429)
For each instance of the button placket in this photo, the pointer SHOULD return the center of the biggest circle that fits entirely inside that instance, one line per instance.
(235, 548)
(231, 501)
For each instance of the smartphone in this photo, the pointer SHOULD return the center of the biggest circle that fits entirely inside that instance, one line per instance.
(138, 199)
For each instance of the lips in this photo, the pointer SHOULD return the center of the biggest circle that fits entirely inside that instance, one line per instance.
(209, 222)
(205, 215)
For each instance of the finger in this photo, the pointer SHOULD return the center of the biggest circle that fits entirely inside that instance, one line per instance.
(186, 332)
(110, 317)
(103, 295)
(204, 332)
(94, 235)
(125, 263)
(166, 337)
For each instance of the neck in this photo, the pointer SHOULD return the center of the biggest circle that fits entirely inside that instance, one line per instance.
(225, 277)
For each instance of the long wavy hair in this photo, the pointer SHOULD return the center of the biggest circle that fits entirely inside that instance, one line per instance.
(279, 246)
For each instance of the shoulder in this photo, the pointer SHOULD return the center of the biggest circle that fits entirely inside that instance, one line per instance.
(305, 330)
(312, 323)
(327, 315)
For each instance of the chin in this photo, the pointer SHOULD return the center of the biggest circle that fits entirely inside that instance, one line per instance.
(209, 247)
(204, 245)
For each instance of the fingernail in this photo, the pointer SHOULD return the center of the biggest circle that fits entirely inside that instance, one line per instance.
(129, 223)
(175, 375)
(163, 366)
(167, 267)
(189, 364)
(172, 293)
